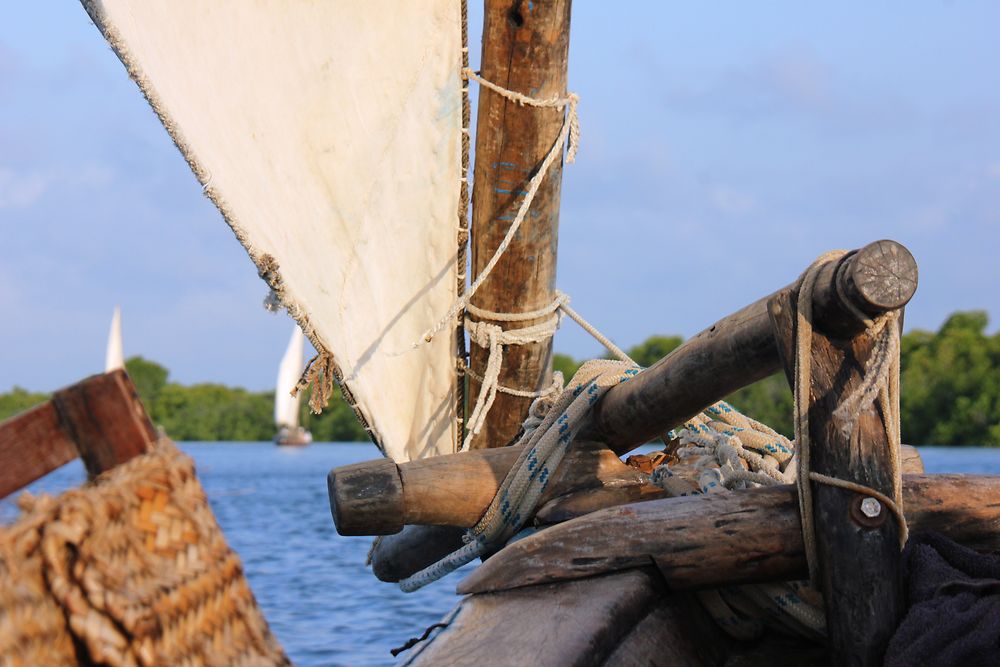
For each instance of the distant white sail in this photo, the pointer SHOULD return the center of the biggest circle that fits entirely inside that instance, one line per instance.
(329, 135)
(114, 357)
(286, 406)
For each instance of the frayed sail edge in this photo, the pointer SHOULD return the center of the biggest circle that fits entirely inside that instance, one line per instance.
(322, 371)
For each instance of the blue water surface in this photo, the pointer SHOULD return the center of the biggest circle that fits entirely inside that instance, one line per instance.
(323, 604)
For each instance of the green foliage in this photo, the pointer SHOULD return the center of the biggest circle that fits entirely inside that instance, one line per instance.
(337, 422)
(566, 364)
(18, 400)
(214, 412)
(148, 377)
(211, 412)
(768, 401)
(951, 384)
(950, 393)
(653, 349)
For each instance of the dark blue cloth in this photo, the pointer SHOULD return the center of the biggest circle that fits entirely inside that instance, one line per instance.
(953, 599)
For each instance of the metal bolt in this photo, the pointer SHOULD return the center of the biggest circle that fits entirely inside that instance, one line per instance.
(871, 507)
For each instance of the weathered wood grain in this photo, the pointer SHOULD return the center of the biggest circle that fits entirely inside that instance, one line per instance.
(727, 538)
(741, 349)
(105, 419)
(453, 490)
(400, 555)
(577, 623)
(579, 503)
(99, 419)
(857, 557)
(396, 557)
(676, 632)
(367, 498)
(525, 49)
(32, 444)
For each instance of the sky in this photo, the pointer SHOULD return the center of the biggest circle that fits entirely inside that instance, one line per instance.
(723, 149)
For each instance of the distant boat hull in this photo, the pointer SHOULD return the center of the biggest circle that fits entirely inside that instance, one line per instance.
(293, 437)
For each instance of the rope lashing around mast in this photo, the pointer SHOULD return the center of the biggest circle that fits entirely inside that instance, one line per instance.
(881, 383)
(493, 337)
(568, 139)
(488, 334)
(544, 448)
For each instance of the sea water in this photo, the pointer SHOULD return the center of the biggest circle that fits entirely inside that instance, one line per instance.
(321, 601)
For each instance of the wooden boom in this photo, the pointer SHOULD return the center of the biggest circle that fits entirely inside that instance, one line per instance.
(741, 349)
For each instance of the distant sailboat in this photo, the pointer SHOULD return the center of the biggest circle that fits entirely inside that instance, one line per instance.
(114, 358)
(286, 406)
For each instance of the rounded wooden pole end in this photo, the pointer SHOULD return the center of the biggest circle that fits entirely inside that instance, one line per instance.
(883, 276)
(366, 498)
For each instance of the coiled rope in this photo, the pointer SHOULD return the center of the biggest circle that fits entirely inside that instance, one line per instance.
(737, 452)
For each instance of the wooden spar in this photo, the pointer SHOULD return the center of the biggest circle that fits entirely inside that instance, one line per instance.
(857, 550)
(99, 419)
(398, 556)
(732, 353)
(525, 49)
(741, 349)
(380, 497)
(726, 538)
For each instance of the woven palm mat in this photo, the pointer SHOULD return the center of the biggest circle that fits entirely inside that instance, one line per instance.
(131, 569)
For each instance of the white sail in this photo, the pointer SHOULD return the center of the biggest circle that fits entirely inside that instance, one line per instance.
(329, 135)
(114, 357)
(286, 406)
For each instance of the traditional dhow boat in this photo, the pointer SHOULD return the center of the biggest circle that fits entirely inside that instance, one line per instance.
(335, 139)
(286, 402)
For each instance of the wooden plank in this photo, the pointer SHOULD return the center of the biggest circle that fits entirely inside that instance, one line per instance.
(105, 419)
(32, 444)
(727, 538)
(579, 503)
(577, 623)
(525, 48)
(677, 632)
(741, 349)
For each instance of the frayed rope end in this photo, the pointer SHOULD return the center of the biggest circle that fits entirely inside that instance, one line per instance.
(320, 373)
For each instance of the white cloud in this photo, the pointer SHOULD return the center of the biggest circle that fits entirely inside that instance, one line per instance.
(18, 191)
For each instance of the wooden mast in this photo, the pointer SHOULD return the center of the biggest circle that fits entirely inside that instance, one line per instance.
(525, 49)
